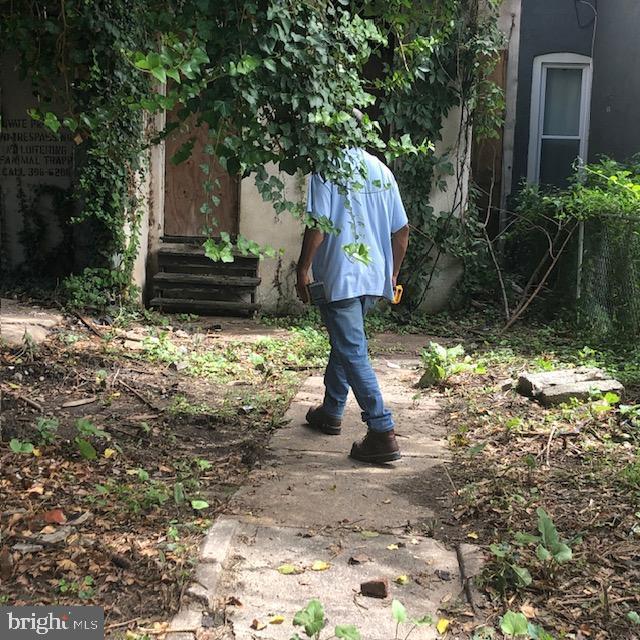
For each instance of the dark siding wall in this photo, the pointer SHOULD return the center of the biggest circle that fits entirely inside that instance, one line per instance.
(547, 26)
(615, 103)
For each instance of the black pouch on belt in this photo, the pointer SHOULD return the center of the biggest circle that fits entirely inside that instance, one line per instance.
(317, 294)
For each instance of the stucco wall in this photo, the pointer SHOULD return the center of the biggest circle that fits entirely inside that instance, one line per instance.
(259, 222)
(448, 270)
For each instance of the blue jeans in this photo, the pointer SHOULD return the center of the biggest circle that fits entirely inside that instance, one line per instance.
(349, 364)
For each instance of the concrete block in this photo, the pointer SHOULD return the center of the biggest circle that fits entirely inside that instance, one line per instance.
(579, 390)
(556, 387)
(204, 589)
(215, 546)
(186, 620)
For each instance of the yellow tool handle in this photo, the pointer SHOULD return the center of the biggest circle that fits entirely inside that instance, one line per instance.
(397, 294)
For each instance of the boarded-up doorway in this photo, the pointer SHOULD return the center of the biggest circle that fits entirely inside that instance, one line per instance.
(185, 187)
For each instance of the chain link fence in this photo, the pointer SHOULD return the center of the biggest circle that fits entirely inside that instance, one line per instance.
(608, 286)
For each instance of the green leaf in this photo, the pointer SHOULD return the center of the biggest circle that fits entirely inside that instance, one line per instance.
(199, 505)
(562, 553)
(525, 538)
(184, 152)
(398, 611)
(476, 449)
(542, 553)
(86, 449)
(141, 62)
(536, 632)
(178, 493)
(289, 569)
(611, 398)
(70, 123)
(634, 617)
(247, 64)
(51, 122)
(514, 624)
(547, 529)
(347, 631)
(20, 447)
(270, 64)
(499, 550)
(174, 74)
(160, 73)
(199, 55)
(523, 575)
(143, 475)
(311, 618)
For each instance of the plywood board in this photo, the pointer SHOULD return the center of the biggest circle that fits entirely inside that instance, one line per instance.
(184, 188)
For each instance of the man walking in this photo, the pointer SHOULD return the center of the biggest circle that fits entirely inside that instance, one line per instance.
(370, 213)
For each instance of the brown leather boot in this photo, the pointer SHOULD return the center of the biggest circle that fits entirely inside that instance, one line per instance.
(376, 446)
(318, 419)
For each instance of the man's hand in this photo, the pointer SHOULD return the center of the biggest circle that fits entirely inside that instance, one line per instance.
(312, 240)
(301, 285)
(399, 244)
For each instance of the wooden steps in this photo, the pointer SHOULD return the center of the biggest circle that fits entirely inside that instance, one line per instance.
(188, 281)
(204, 306)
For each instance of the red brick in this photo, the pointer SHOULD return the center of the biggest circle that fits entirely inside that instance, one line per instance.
(377, 588)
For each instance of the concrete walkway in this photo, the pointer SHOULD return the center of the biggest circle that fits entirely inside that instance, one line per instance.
(310, 504)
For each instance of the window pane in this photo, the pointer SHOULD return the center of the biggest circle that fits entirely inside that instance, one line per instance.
(556, 158)
(562, 102)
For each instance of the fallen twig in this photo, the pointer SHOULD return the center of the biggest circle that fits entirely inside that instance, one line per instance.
(89, 325)
(32, 403)
(548, 449)
(355, 601)
(139, 395)
(448, 476)
(117, 625)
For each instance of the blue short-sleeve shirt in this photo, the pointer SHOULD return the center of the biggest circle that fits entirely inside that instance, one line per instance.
(376, 211)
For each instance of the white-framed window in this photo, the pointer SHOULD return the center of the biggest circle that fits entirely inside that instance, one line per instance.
(559, 128)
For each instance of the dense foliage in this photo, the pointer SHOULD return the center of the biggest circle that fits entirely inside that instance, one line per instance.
(444, 55)
(72, 52)
(582, 244)
(275, 82)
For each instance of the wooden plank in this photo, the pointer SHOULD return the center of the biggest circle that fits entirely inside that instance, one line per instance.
(168, 279)
(184, 185)
(191, 292)
(174, 264)
(191, 250)
(176, 304)
(191, 239)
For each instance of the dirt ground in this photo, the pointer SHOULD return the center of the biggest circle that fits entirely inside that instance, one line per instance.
(117, 525)
(123, 439)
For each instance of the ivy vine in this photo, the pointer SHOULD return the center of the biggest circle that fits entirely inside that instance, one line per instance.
(275, 81)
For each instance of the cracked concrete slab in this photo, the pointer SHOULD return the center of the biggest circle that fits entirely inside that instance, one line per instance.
(252, 578)
(18, 320)
(312, 481)
(308, 501)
